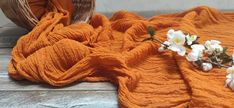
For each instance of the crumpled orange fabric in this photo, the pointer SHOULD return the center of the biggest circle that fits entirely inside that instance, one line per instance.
(59, 54)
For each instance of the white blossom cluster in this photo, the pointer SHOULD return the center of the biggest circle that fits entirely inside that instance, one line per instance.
(204, 56)
(230, 77)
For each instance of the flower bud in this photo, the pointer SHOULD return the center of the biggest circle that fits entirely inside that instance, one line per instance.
(161, 49)
(207, 66)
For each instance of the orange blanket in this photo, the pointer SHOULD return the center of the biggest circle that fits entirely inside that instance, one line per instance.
(112, 50)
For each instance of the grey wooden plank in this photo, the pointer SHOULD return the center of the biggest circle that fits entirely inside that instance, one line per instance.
(9, 24)
(8, 41)
(5, 51)
(12, 31)
(3, 68)
(10, 35)
(7, 84)
(58, 99)
(4, 60)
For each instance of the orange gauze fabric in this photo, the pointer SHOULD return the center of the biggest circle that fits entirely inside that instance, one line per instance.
(112, 50)
(41, 7)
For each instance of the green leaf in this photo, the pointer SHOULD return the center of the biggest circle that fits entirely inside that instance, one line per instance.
(151, 31)
(196, 41)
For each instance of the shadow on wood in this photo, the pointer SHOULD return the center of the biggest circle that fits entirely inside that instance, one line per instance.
(10, 35)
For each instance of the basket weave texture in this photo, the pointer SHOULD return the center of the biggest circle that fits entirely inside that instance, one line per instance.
(20, 13)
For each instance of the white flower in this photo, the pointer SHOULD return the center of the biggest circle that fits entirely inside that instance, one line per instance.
(230, 69)
(176, 37)
(166, 43)
(196, 53)
(179, 49)
(198, 47)
(176, 40)
(163, 47)
(191, 39)
(206, 66)
(170, 32)
(193, 56)
(230, 77)
(213, 45)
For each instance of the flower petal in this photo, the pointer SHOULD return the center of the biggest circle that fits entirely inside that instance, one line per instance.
(198, 47)
(191, 39)
(215, 42)
(161, 49)
(170, 34)
(193, 56)
(174, 48)
(167, 43)
(230, 70)
(229, 76)
(207, 66)
(171, 31)
(181, 51)
(231, 85)
(228, 81)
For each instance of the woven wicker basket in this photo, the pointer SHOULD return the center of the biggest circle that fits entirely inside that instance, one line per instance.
(20, 13)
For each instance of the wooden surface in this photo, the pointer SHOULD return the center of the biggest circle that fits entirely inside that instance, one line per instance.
(24, 94)
(57, 99)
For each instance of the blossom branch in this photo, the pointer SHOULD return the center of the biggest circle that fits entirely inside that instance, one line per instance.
(214, 52)
(217, 64)
(157, 40)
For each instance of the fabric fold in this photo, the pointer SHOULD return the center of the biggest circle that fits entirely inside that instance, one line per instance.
(112, 50)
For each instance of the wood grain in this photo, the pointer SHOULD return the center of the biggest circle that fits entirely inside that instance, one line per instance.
(58, 99)
(7, 84)
(5, 51)
(10, 35)
(4, 60)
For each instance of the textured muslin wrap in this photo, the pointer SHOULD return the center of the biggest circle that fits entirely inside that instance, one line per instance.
(112, 50)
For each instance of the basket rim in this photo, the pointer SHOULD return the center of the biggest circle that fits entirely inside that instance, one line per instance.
(19, 12)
